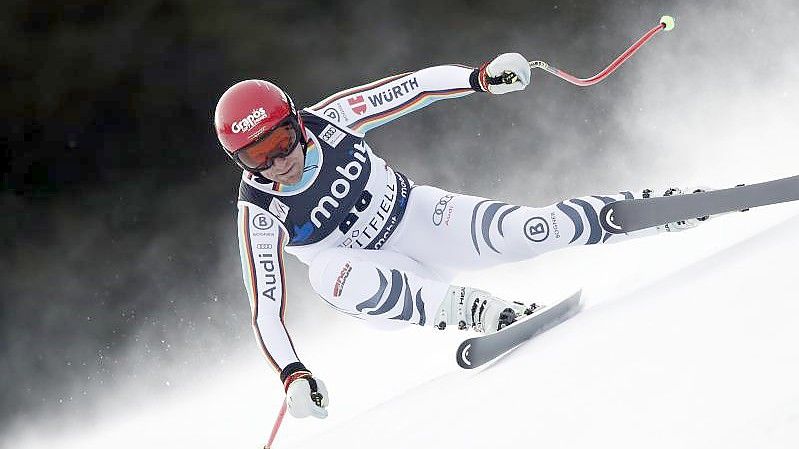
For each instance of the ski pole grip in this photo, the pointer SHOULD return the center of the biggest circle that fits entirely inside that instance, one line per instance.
(507, 77)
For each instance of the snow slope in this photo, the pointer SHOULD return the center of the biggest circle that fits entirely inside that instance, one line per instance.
(704, 357)
(687, 340)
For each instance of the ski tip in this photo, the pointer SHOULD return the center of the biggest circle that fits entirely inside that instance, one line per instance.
(580, 300)
(577, 300)
(577, 295)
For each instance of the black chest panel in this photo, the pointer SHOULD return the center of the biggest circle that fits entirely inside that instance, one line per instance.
(333, 198)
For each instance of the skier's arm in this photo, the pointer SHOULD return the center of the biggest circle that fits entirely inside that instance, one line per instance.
(371, 105)
(261, 241)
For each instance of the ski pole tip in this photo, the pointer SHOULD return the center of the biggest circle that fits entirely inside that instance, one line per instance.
(667, 22)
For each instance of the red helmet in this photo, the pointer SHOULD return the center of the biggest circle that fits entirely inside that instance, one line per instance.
(251, 110)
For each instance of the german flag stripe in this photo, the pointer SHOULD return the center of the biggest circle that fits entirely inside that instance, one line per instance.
(324, 103)
(248, 262)
(263, 347)
(413, 104)
(251, 281)
(280, 242)
(284, 294)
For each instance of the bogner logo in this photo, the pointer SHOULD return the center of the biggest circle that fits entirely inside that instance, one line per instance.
(340, 188)
(536, 229)
(249, 122)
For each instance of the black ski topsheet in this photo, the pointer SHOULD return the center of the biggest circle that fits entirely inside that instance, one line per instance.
(632, 215)
(477, 351)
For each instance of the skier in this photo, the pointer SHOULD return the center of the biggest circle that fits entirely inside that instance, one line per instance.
(378, 247)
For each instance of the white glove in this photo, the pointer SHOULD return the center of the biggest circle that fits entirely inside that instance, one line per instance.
(505, 73)
(307, 396)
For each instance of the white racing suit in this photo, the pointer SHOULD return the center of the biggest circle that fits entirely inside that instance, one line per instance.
(378, 247)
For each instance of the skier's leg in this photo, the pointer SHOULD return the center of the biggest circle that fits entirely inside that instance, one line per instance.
(377, 285)
(388, 288)
(463, 232)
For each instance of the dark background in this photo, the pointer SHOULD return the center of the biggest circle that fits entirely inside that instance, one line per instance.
(118, 205)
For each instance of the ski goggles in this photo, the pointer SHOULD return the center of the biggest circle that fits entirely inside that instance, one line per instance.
(281, 141)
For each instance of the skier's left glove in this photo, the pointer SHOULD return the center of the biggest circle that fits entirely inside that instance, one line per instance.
(507, 72)
(306, 395)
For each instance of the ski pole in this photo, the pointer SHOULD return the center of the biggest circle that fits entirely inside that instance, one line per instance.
(278, 422)
(666, 23)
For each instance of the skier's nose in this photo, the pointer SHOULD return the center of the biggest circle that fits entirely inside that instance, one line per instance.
(281, 162)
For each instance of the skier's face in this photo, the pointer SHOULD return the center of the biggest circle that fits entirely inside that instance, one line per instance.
(287, 169)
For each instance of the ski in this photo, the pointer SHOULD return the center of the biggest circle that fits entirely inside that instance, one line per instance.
(632, 215)
(477, 351)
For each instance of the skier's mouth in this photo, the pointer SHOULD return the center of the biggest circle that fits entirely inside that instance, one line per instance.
(288, 170)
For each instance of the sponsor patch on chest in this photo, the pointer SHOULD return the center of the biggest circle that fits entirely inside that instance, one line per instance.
(332, 135)
(279, 209)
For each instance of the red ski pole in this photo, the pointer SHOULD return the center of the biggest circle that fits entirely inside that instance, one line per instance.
(666, 23)
(278, 422)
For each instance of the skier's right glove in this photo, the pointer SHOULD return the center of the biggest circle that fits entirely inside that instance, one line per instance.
(507, 72)
(305, 394)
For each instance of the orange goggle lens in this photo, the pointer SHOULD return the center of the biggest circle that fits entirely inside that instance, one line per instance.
(280, 142)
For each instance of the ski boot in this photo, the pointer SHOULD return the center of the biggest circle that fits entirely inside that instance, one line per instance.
(678, 226)
(470, 308)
